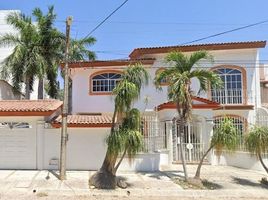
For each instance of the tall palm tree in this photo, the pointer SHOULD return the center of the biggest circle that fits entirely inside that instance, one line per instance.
(22, 65)
(179, 76)
(50, 48)
(38, 50)
(256, 143)
(225, 136)
(123, 136)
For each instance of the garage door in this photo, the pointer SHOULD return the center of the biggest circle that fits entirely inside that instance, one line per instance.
(17, 146)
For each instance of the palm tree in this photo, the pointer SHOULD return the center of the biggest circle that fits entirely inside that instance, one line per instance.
(179, 76)
(123, 136)
(38, 50)
(256, 143)
(50, 48)
(22, 65)
(79, 49)
(225, 136)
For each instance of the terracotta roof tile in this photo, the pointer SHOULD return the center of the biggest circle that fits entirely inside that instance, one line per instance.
(136, 53)
(204, 104)
(85, 121)
(28, 107)
(109, 63)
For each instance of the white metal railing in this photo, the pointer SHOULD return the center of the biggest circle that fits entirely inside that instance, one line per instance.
(193, 154)
(228, 96)
(154, 134)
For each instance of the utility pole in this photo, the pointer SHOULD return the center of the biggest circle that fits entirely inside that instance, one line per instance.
(65, 104)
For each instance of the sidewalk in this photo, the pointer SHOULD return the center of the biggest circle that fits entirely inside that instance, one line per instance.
(234, 183)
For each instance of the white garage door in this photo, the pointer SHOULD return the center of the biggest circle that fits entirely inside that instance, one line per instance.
(17, 146)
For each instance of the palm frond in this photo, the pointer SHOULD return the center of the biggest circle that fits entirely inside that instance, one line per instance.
(125, 93)
(137, 75)
(178, 60)
(9, 40)
(207, 79)
(195, 58)
(256, 141)
(225, 136)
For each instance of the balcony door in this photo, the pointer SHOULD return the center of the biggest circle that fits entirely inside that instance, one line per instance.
(232, 90)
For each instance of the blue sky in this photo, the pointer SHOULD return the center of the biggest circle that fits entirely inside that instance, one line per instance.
(142, 23)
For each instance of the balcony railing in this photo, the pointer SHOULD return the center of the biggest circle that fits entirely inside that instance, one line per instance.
(228, 96)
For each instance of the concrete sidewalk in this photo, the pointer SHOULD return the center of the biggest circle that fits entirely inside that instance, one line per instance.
(234, 183)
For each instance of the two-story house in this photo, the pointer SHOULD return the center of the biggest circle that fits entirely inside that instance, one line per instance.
(39, 122)
(236, 63)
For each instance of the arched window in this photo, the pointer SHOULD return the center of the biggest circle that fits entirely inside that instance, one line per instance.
(103, 83)
(233, 90)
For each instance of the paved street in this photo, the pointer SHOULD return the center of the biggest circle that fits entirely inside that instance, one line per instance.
(234, 183)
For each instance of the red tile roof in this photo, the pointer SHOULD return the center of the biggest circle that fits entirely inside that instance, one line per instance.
(84, 121)
(205, 104)
(29, 107)
(108, 63)
(136, 53)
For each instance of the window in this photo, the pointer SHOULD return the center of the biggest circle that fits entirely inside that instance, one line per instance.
(105, 82)
(232, 91)
(12, 125)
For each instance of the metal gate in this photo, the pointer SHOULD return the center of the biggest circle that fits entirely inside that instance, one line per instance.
(193, 145)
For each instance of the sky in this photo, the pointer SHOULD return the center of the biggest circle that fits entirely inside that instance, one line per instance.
(146, 23)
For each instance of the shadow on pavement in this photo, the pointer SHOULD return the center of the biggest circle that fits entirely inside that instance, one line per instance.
(246, 182)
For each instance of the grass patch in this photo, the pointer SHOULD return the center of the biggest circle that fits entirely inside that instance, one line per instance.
(206, 185)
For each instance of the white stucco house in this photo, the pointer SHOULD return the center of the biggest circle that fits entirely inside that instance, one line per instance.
(34, 131)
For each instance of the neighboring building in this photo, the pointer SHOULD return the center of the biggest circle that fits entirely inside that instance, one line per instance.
(6, 51)
(7, 92)
(92, 107)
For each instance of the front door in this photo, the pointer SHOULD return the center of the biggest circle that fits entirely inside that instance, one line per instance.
(193, 145)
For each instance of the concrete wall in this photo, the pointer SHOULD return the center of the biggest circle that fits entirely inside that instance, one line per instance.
(238, 159)
(86, 150)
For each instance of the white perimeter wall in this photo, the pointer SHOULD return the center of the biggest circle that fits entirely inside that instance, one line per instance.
(86, 150)
(238, 159)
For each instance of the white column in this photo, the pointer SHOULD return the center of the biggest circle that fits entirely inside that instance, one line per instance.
(169, 141)
(209, 133)
(40, 129)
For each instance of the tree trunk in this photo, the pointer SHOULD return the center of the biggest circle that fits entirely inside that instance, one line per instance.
(262, 163)
(105, 177)
(198, 171)
(41, 88)
(181, 134)
(27, 89)
(120, 161)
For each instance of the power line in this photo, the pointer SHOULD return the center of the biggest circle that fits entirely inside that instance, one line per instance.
(222, 33)
(105, 19)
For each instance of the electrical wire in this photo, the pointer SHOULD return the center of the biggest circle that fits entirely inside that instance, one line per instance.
(106, 18)
(225, 32)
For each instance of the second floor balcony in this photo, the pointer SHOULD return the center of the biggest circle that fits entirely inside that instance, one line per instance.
(229, 96)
